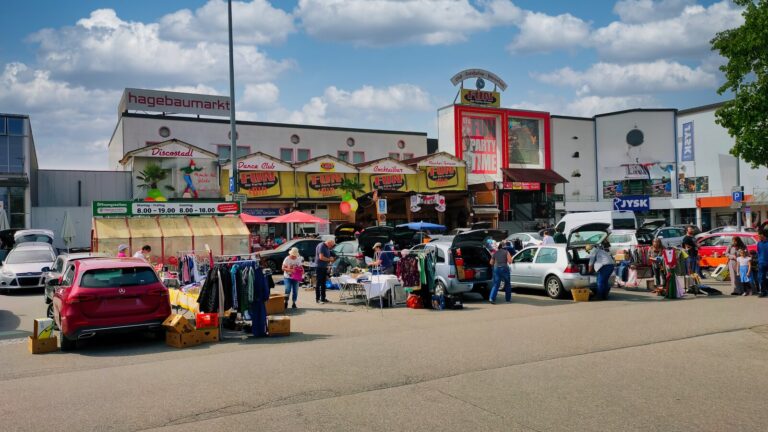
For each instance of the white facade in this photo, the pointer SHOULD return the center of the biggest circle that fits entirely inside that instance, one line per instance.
(573, 141)
(134, 131)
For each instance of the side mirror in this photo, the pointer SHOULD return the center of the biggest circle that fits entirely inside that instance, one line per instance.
(46, 269)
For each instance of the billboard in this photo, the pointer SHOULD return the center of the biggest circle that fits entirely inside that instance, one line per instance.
(173, 102)
(480, 146)
(524, 143)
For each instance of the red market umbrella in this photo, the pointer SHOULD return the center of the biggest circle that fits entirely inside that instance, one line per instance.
(249, 219)
(298, 217)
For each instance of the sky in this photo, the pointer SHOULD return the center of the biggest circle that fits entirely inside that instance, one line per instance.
(382, 64)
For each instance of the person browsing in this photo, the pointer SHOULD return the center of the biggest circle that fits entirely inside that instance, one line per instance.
(547, 239)
(601, 262)
(384, 259)
(500, 260)
(144, 253)
(293, 273)
(324, 256)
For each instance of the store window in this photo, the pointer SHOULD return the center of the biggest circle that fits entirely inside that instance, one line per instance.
(358, 157)
(286, 155)
(13, 202)
(343, 155)
(2, 125)
(407, 156)
(395, 156)
(15, 126)
(224, 151)
(303, 155)
(15, 154)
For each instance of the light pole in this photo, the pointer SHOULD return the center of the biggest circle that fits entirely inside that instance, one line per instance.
(233, 132)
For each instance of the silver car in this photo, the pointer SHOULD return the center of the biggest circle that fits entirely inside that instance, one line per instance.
(24, 266)
(527, 238)
(622, 240)
(558, 268)
(671, 236)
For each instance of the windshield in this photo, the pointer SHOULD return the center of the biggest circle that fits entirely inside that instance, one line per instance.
(29, 256)
(535, 236)
(34, 238)
(623, 223)
(583, 238)
(619, 238)
(119, 277)
(286, 246)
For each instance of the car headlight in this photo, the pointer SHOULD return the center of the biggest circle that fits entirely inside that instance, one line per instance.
(7, 273)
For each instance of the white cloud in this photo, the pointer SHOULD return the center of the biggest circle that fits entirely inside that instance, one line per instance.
(71, 124)
(392, 98)
(259, 97)
(102, 50)
(613, 79)
(540, 32)
(255, 22)
(686, 35)
(639, 11)
(589, 106)
(387, 22)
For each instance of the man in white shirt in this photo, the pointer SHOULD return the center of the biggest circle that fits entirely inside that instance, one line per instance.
(548, 239)
(601, 262)
(143, 253)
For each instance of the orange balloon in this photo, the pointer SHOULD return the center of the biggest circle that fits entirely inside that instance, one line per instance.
(345, 207)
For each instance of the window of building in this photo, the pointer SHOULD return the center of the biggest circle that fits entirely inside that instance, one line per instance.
(358, 157)
(13, 201)
(350, 142)
(407, 156)
(343, 155)
(303, 155)
(15, 154)
(295, 139)
(164, 131)
(224, 151)
(15, 126)
(286, 155)
(2, 125)
(394, 156)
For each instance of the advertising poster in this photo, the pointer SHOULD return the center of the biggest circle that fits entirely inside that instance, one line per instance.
(524, 139)
(260, 184)
(480, 145)
(389, 182)
(324, 185)
(661, 188)
(694, 184)
(442, 177)
(610, 189)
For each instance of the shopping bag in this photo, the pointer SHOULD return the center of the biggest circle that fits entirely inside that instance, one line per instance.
(298, 273)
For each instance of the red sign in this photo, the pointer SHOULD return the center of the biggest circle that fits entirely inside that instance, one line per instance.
(228, 208)
(389, 182)
(328, 166)
(391, 169)
(260, 184)
(527, 186)
(324, 185)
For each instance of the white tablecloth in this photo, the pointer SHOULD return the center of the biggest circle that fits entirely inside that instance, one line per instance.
(380, 285)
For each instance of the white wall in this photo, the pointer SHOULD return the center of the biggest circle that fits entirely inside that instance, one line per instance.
(446, 130)
(270, 139)
(658, 128)
(52, 218)
(570, 135)
(116, 147)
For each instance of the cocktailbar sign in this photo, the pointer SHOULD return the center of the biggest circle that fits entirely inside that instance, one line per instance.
(387, 175)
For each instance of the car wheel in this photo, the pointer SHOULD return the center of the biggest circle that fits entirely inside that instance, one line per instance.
(272, 266)
(554, 287)
(440, 289)
(49, 312)
(67, 344)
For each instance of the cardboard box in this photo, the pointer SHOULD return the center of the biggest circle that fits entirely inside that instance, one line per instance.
(279, 326)
(276, 304)
(178, 324)
(208, 335)
(182, 340)
(43, 328)
(42, 346)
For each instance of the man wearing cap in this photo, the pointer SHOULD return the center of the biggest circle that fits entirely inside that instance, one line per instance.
(323, 257)
(384, 259)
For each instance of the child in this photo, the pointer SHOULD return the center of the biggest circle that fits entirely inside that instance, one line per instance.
(745, 269)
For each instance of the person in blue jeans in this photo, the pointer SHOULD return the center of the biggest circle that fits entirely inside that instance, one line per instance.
(500, 260)
(601, 262)
(293, 271)
(762, 264)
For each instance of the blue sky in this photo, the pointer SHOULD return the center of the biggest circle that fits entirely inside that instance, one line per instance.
(370, 63)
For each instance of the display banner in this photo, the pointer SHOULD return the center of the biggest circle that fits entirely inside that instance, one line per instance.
(688, 153)
(128, 208)
(480, 145)
(638, 203)
(434, 199)
(441, 177)
(481, 98)
(525, 186)
(260, 184)
(324, 185)
(693, 184)
(389, 182)
(524, 139)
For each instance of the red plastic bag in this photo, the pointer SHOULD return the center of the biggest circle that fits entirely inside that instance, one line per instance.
(414, 302)
(206, 320)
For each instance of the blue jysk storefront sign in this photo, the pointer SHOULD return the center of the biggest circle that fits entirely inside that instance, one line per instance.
(638, 203)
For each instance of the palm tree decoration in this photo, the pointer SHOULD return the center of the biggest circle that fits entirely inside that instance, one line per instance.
(150, 177)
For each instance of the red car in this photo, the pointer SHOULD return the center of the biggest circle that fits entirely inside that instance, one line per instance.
(108, 295)
(713, 247)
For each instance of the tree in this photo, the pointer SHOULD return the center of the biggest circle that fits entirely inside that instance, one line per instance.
(746, 75)
(151, 176)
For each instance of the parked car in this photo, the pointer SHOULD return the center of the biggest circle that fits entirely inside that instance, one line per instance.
(108, 295)
(25, 264)
(403, 238)
(527, 238)
(622, 240)
(616, 220)
(273, 259)
(671, 236)
(644, 233)
(561, 267)
(467, 251)
(33, 235)
(727, 229)
(346, 232)
(57, 272)
(348, 256)
(716, 245)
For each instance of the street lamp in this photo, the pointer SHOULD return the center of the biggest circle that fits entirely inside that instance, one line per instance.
(233, 132)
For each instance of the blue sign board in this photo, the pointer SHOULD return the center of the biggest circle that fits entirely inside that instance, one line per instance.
(638, 203)
(688, 148)
(232, 185)
(382, 206)
(737, 196)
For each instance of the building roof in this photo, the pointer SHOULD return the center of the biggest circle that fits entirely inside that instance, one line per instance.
(702, 108)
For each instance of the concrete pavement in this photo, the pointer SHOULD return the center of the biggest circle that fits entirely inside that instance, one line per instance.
(637, 362)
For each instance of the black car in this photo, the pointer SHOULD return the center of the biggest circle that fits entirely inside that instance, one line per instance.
(346, 232)
(403, 238)
(273, 259)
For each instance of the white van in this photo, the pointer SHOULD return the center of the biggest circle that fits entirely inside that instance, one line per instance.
(616, 219)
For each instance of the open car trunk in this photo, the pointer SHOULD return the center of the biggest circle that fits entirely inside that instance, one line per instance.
(471, 258)
(591, 234)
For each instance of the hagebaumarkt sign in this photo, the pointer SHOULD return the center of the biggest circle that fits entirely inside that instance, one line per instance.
(173, 102)
(180, 208)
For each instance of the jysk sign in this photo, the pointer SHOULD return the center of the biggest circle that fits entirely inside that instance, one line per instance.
(638, 203)
(128, 208)
(688, 149)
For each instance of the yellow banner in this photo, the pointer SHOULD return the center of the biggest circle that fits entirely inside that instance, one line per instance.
(389, 182)
(481, 98)
(261, 184)
(324, 185)
(437, 178)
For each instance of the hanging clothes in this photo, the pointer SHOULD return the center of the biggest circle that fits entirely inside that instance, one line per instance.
(234, 275)
(209, 293)
(409, 271)
(258, 308)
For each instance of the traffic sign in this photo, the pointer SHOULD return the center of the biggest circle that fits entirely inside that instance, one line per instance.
(382, 206)
(737, 196)
(232, 185)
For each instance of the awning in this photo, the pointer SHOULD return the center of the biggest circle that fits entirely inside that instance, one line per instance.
(250, 219)
(536, 175)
